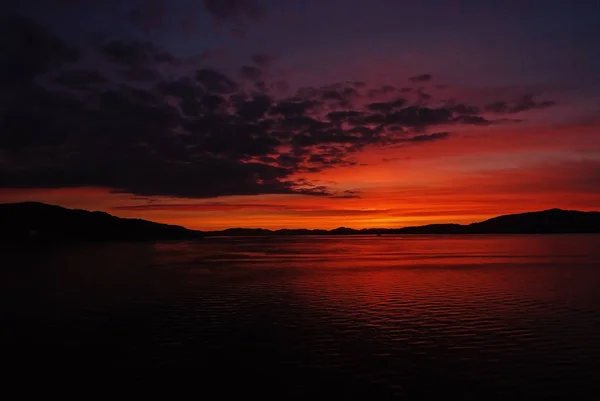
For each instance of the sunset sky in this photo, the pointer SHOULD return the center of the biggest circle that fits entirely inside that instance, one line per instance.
(306, 113)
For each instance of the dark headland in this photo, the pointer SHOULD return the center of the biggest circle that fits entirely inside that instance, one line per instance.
(33, 221)
(40, 222)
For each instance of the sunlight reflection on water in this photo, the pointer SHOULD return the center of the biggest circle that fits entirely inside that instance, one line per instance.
(512, 316)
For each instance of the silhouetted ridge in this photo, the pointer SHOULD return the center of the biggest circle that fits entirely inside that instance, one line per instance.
(34, 221)
(544, 222)
(547, 221)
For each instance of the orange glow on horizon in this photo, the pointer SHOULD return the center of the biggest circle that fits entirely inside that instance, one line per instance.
(470, 177)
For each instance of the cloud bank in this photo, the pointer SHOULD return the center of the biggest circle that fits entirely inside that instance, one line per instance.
(199, 135)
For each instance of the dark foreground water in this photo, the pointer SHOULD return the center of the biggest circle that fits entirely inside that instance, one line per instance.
(413, 317)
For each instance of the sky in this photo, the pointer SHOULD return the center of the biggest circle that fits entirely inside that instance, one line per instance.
(307, 113)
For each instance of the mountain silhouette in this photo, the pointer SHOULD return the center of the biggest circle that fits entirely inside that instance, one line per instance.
(33, 221)
(545, 222)
(39, 222)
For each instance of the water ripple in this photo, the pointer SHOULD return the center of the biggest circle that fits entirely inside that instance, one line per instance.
(488, 317)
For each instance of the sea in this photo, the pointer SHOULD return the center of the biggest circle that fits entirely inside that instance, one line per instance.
(481, 317)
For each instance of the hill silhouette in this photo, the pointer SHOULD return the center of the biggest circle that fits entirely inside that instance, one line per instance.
(548, 221)
(39, 222)
(555, 221)
(33, 221)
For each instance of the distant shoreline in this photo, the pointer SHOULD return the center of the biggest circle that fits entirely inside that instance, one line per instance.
(38, 222)
(276, 235)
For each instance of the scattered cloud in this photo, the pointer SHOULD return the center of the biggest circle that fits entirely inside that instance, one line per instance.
(251, 73)
(141, 74)
(263, 60)
(135, 53)
(80, 78)
(421, 78)
(200, 134)
(206, 55)
(28, 50)
(430, 137)
(524, 103)
(215, 82)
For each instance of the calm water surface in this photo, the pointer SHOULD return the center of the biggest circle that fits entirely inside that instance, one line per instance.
(412, 317)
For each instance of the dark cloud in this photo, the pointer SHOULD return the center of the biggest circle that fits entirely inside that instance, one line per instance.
(341, 116)
(214, 81)
(472, 120)
(423, 97)
(190, 107)
(387, 106)
(255, 108)
(429, 137)
(38, 118)
(261, 86)
(373, 93)
(357, 84)
(292, 108)
(203, 135)
(184, 88)
(281, 86)
(421, 78)
(205, 55)
(28, 49)
(251, 73)
(136, 53)
(381, 91)
(524, 103)
(125, 140)
(263, 60)
(465, 109)
(141, 74)
(415, 116)
(213, 103)
(301, 123)
(79, 78)
(348, 194)
(336, 96)
(331, 95)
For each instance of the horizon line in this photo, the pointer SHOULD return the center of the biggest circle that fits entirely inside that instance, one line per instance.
(302, 228)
